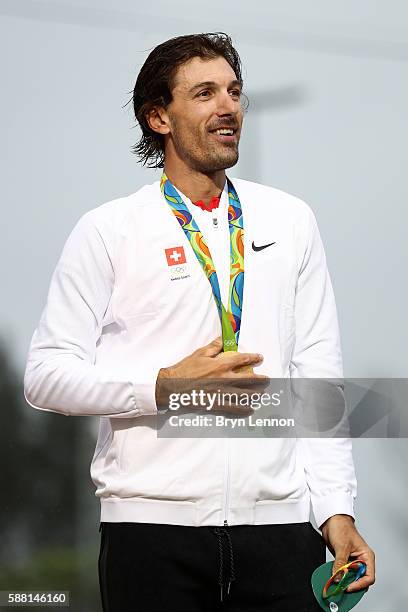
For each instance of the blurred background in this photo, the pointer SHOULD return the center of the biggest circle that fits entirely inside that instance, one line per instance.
(327, 84)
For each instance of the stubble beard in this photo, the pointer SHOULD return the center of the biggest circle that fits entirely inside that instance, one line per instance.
(200, 156)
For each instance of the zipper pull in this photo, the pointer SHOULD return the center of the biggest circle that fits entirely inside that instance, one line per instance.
(214, 214)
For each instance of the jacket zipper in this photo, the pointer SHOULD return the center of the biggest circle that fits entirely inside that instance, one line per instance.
(226, 481)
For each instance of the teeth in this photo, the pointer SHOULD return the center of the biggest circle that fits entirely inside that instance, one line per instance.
(228, 132)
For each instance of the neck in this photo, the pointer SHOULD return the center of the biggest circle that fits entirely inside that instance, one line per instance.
(195, 185)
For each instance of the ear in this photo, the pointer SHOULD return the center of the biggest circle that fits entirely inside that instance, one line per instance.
(158, 120)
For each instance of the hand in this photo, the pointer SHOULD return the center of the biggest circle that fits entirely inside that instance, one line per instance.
(209, 364)
(344, 541)
(210, 361)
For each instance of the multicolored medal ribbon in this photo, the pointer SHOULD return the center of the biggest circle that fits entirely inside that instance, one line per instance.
(231, 318)
(332, 596)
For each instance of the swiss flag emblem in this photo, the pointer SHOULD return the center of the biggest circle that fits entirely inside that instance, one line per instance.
(175, 256)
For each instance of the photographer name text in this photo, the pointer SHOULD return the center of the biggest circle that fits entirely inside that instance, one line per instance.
(230, 422)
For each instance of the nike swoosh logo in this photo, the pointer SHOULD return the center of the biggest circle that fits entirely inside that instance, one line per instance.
(260, 248)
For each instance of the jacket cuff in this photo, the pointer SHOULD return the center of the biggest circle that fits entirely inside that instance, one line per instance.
(144, 391)
(331, 504)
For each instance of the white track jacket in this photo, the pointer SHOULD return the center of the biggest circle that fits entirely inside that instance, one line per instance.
(115, 315)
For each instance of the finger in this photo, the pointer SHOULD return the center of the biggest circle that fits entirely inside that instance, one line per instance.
(369, 577)
(250, 386)
(213, 348)
(241, 378)
(233, 359)
(249, 359)
(362, 583)
(341, 559)
(256, 380)
(245, 370)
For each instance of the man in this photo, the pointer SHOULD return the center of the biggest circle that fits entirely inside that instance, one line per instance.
(199, 523)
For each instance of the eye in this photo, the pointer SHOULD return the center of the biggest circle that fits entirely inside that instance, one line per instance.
(235, 93)
(204, 93)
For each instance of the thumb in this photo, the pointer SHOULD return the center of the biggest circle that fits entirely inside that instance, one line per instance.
(213, 348)
(340, 560)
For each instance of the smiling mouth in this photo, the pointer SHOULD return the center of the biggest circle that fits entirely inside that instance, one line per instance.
(224, 131)
(225, 134)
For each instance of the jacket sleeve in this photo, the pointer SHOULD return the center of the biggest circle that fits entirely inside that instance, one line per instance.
(328, 462)
(61, 374)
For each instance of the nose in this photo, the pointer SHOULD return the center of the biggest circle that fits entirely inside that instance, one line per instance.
(225, 104)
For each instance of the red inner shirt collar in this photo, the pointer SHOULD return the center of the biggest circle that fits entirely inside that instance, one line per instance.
(213, 203)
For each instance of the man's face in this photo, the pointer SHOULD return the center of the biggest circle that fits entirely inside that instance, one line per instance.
(206, 98)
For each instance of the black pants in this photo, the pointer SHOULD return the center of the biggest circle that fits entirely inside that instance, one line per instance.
(147, 567)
